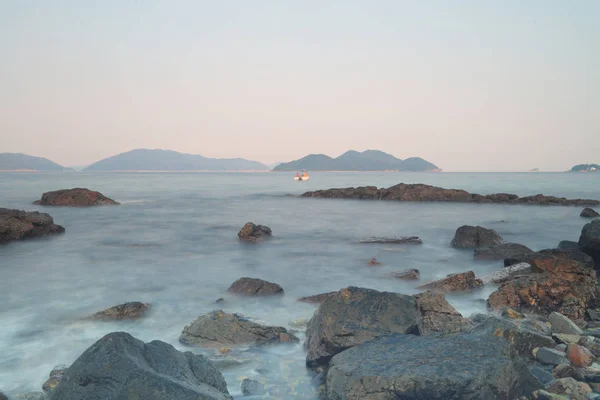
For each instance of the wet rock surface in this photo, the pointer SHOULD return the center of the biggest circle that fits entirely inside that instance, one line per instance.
(18, 225)
(462, 282)
(253, 287)
(119, 366)
(473, 237)
(219, 328)
(589, 213)
(462, 366)
(317, 298)
(438, 316)
(77, 197)
(252, 232)
(589, 241)
(130, 310)
(54, 378)
(501, 251)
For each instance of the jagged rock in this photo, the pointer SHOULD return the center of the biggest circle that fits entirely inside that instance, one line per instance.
(354, 315)
(54, 378)
(118, 366)
(17, 225)
(546, 355)
(253, 232)
(317, 298)
(579, 355)
(567, 254)
(406, 275)
(589, 213)
(569, 387)
(501, 251)
(130, 310)
(454, 283)
(472, 237)
(254, 287)
(251, 387)
(219, 328)
(460, 366)
(541, 374)
(77, 197)
(562, 324)
(438, 315)
(589, 241)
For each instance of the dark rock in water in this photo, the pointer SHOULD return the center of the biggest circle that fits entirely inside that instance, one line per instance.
(438, 315)
(545, 377)
(420, 193)
(461, 366)
(501, 251)
(589, 241)
(54, 379)
(118, 366)
(589, 213)
(250, 387)
(556, 284)
(353, 316)
(317, 298)
(219, 301)
(550, 356)
(570, 387)
(454, 283)
(392, 240)
(406, 275)
(17, 225)
(373, 262)
(254, 287)
(568, 245)
(77, 197)
(130, 310)
(219, 328)
(29, 396)
(253, 232)
(565, 253)
(472, 237)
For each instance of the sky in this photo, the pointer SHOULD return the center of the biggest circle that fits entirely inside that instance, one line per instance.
(469, 85)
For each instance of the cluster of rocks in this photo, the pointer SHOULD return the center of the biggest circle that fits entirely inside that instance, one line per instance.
(420, 192)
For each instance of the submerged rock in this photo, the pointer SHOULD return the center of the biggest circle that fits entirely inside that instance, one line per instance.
(130, 310)
(472, 237)
(17, 225)
(406, 275)
(589, 213)
(254, 287)
(354, 315)
(77, 197)
(251, 387)
(253, 232)
(317, 298)
(219, 328)
(373, 262)
(501, 251)
(392, 240)
(454, 283)
(118, 366)
(461, 366)
(589, 241)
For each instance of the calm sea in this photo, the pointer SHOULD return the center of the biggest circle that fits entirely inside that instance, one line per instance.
(173, 243)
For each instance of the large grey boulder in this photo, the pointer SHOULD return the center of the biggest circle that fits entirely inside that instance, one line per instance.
(461, 366)
(219, 328)
(589, 241)
(472, 237)
(17, 225)
(121, 367)
(355, 315)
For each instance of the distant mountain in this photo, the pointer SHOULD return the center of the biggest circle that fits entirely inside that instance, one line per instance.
(586, 168)
(369, 160)
(167, 160)
(18, 161)
(271, 166)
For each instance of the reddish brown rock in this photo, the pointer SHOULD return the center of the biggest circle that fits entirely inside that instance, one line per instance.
(77, 197)
(556, 284)
(252, 232)
(454, 283)
(18, 225)
(131, 310)
(254, 287)
(579, 355)
(373, 262)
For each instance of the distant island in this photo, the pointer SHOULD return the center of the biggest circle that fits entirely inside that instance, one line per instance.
(369, 160)
(586, 168)
(168, 160)
(24, 162)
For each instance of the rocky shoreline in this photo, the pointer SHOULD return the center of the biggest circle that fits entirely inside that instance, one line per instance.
(421, 193)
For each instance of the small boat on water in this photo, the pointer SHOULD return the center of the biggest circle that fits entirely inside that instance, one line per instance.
(302, 176)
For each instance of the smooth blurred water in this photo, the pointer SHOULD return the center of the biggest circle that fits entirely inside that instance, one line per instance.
(173, 243)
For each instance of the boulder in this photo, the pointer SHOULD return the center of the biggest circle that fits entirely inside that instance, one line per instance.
(507, 273)
(556, 284)
(550, 356)
(317, 298)
(461, 366)
(118, 366)
(568, 245)
(562, 324)
(472, 237)
(54, 379)
(454, 283)
(392, 240)
(570, 387)
(566, 339)
(77, 197)
(254, 287)
(355, 315)
(219, 328)
(438, 315)
(589, 241)
(253, 232)
(130, 310)
(579, 355)
(406, 275)
(592, 344)
(251, 387)
(501, 251)
(567, 254)
(17, 225)
(541, 374)
(510, 313)
(589, 213)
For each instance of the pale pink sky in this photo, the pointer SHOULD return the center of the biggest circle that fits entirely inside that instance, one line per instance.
(469, 86)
